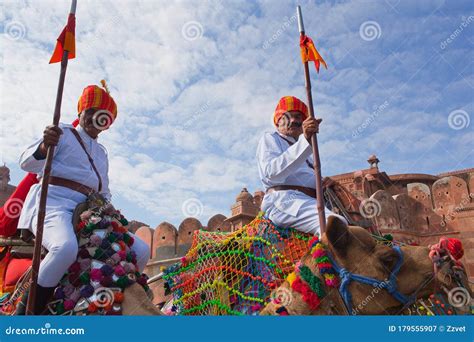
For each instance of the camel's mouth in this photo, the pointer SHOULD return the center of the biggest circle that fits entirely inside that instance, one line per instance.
(441, 293)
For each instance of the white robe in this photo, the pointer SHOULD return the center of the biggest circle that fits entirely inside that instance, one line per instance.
(282, 164)
(70, 162)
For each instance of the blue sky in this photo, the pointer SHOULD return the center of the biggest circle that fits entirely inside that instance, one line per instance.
(196, 84)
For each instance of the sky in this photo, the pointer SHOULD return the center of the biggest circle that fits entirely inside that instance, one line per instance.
(196, 83)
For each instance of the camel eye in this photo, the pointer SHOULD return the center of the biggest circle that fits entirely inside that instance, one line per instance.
(389, 260)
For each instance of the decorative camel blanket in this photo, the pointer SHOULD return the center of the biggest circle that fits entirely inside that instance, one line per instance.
(234, 273)
(105, 266)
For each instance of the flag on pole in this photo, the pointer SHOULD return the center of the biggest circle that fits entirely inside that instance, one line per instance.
(66, 41)
(309, 52)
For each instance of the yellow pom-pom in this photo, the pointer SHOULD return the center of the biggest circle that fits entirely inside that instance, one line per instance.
(291, 278)
(104, 85)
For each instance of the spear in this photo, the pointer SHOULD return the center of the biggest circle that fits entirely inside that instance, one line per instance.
(65, 49)
(312, 54)
(309, 53)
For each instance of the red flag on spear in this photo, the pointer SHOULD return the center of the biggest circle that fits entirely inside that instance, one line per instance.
(66, 41)
(65, 45)
(309, 52)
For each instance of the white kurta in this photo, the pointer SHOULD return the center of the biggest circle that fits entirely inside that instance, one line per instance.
(70, 162)
(280, 163)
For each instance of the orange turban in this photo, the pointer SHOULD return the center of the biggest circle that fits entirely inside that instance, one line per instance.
(287, 104)
(96, 97)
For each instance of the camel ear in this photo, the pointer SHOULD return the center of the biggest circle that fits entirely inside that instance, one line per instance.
(338, 234)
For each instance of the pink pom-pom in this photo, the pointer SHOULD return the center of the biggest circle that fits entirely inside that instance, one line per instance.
(128, 267)
(256, 307)
(95, 240)
(119, 270)
(68, 305)
(318, 253)
(133, 268)
(85, 264)
(96, 274)
(331, 282)
(298, 265)
(86, 215)
(116, 258)
(68, 290)
(75, 295)
(122, 254)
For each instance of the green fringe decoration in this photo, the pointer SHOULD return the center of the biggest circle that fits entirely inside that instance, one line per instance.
(313, 281)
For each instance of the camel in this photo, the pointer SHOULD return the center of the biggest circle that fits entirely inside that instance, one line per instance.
(354, 249)
(137, 303)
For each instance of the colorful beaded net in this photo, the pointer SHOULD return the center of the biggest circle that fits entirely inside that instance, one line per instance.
(234, 273)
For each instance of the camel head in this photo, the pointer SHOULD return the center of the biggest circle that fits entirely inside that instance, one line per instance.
(354, 249)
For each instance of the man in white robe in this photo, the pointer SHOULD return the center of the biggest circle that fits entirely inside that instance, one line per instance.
(71, 165)
(285, 165)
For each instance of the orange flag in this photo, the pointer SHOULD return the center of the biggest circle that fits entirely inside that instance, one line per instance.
(309, 52)
(66, 41)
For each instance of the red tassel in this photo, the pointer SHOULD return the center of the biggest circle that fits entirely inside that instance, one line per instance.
(455, 248)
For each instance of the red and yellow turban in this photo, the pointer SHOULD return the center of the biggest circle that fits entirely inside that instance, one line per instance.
(95, 97)
(287, 104)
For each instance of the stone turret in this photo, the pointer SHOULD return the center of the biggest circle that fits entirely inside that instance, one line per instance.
(243, 210)
(5, 188)
(373, 161)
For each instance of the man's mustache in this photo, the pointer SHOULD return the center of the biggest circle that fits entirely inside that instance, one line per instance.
(295, 124)
(290, 124)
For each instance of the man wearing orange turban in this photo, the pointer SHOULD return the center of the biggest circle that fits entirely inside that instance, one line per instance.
(285, 165)
(80, 167)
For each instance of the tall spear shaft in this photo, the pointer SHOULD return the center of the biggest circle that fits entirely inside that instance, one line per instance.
(45, 183)
(314, 138)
